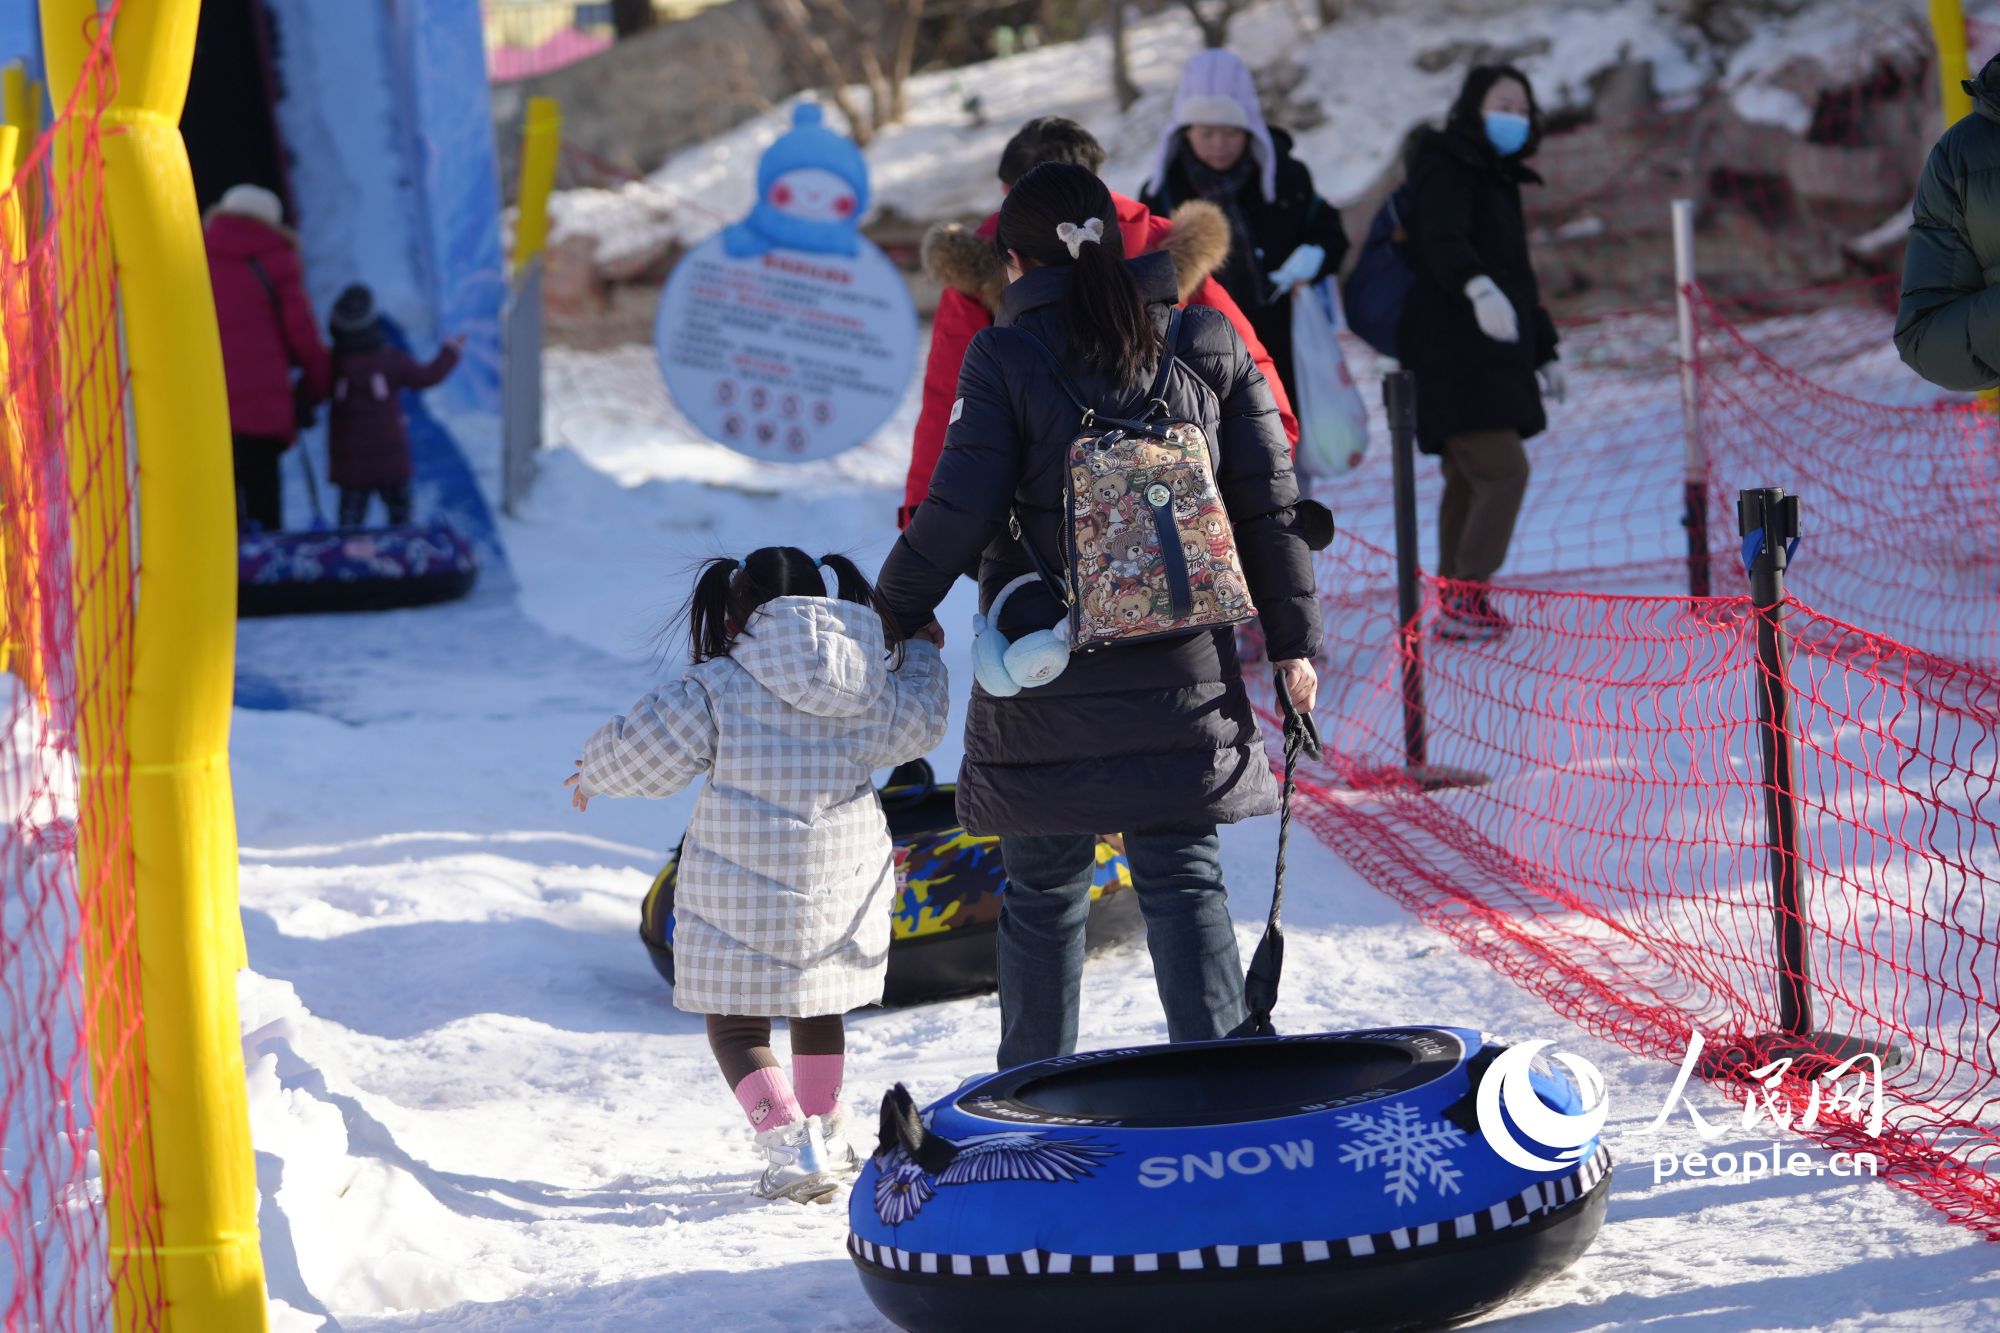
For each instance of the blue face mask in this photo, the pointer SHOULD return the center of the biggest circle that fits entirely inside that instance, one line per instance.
(1507, 132)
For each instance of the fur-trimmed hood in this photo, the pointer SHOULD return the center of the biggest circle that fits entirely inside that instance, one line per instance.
(1197, 237)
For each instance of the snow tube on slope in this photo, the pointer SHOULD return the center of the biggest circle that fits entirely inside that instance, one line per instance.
(353, 569)
(1331, 1180)
(946, 908)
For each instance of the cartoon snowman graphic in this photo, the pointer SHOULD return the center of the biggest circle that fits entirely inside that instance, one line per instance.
(812, 188)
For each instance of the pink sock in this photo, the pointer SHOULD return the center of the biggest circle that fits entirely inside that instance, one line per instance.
(818, 1078)
(767, 1099)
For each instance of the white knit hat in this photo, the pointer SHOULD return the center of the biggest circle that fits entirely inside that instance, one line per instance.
(1217, 89)
(1211, 111)
(252, 201)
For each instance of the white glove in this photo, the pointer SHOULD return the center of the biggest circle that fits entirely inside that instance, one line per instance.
(1554, 383)
(1302, 265)
(1493, 310)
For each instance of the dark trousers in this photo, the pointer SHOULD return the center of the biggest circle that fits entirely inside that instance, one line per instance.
(354, 504)
(742, 1044)
(260, 498)
(1485, 477)
(1178, 877)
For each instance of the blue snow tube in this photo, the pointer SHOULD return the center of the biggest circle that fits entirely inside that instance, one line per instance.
(1327, 1180)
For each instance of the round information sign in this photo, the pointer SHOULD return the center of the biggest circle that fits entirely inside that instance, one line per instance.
(790, 336)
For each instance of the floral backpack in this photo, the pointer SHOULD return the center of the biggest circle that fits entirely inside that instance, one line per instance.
(1147, 548)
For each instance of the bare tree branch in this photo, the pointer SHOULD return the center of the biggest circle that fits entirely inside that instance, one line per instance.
(813, 51)
(912, 16)
(804, 25)
(1122, 87)
(1213, 20)
(631, 17)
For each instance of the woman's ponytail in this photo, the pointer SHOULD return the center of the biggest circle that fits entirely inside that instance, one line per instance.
(1104, 318)
(1046, 219)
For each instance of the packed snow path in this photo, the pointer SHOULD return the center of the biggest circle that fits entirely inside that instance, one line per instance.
(476, 1107)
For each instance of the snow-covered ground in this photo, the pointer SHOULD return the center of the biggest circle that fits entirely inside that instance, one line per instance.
(475, 1106)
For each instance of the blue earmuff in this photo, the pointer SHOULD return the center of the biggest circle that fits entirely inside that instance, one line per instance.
(1004, 668)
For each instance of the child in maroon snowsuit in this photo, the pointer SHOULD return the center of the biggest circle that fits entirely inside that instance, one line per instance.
(368, 441)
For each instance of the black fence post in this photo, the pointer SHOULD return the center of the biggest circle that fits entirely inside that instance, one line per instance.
(1768, 520)
(1695, 519)
(1399, 396)
(1775, 515)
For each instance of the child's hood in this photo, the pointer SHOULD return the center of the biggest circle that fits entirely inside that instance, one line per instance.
(820, 655)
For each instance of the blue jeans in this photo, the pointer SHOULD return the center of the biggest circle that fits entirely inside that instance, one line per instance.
(1178, 877)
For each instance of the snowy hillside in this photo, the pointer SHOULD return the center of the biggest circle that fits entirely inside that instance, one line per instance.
(1362, 71)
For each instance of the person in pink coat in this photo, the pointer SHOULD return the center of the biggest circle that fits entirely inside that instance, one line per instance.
(268, 331)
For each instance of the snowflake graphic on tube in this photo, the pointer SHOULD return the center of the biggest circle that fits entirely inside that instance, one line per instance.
(1405, 1149)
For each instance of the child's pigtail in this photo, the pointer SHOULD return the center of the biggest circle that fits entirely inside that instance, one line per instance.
(707, 609)
(853, 586)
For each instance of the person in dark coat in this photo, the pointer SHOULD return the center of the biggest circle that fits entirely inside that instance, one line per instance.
(268, 330)
(1474, 329)
(1282, 234)
(1948, 324)
(1154, 738)
(367, 437)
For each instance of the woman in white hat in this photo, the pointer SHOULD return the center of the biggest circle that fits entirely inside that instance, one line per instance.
(268, 331)
(1282, 233)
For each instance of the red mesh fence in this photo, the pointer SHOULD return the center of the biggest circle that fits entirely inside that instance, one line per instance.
(1902, 499)
(1613, 860)
(76, 1199)
(1604, 507)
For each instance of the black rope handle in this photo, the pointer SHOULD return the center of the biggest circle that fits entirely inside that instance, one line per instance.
(1267, 964)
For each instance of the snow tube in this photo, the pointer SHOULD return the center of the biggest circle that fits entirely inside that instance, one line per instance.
(353, 569)
(1332, 1180)
(946, 907)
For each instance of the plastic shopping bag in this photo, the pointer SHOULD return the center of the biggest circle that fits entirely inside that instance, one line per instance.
(1333, 421)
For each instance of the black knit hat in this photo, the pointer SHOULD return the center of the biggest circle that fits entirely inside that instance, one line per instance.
(354, 312)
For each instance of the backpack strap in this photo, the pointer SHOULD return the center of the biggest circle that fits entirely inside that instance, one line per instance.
(1056, 583)
(263, 277)
(1170, 351)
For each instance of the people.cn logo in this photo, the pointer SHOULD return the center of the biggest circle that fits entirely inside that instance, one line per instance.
(1529, 1126)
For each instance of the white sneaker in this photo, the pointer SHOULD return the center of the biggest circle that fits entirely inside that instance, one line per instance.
(841, 1159)
(796, 1163)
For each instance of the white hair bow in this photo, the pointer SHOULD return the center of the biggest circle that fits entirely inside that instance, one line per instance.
(1076, 237)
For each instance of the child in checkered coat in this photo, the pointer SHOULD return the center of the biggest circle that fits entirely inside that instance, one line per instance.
(781, 909)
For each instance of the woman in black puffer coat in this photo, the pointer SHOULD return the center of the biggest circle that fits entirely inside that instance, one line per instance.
(1474, 330)
(1153, 739)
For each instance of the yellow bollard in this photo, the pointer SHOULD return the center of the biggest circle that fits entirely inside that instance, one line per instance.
(184, 1237)
(14, 86)
(541, 142)
(1948, 30)
(15, 635)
